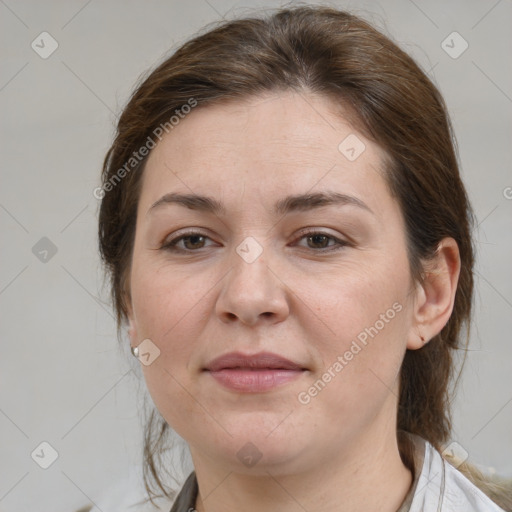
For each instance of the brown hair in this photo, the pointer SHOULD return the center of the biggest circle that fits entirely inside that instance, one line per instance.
(324, 51)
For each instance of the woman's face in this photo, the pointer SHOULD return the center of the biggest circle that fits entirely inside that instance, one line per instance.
(305, 258)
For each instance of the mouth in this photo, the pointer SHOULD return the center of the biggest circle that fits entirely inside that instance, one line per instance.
(255, 362)
(253, 373)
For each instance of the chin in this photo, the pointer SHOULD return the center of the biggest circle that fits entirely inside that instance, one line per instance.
(257, 449)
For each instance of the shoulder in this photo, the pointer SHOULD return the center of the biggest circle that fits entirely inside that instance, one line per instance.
(442, 488)
(462, 493)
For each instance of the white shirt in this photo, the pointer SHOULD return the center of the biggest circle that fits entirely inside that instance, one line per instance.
(437, 487)
(442, 488)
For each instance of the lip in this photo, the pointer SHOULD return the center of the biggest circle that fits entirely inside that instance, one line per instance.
(253, 373)
(260, 361)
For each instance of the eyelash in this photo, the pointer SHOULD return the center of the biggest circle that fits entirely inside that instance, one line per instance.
(172, 244)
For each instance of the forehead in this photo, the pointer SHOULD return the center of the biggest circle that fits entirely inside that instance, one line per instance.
(263, 147)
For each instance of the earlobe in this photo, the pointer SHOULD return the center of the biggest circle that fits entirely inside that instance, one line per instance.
(416, 340)
(129, 315)
(132, 333)
(435, 294)
(132, 329)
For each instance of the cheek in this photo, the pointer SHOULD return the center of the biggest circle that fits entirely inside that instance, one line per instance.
(164, 297)
(170, 310)
(364, 314)
(350, 298)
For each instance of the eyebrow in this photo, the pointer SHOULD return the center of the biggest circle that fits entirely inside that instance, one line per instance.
(300, 202)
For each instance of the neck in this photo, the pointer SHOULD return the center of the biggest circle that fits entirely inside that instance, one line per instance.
(367, 475)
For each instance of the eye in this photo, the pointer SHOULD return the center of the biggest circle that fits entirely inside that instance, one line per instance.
(322, 241)
(195, 240)
(191, 242)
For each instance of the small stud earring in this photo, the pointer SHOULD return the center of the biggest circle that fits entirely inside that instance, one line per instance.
(135, 351)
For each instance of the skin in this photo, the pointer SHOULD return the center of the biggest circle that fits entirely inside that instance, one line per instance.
(338, 451)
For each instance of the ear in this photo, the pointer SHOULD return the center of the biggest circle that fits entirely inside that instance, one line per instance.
(132, 329)
(132, 332)
(435, 295)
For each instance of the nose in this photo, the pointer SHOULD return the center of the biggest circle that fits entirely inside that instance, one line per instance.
(252, 292)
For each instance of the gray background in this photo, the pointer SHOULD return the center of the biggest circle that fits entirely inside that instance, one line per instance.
(63, 377)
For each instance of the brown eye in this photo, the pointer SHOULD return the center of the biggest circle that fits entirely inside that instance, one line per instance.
(189, 242)
(319, 241)
(193, 241)
(322, 242)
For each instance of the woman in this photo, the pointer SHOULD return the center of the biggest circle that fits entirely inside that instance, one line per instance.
(288, 240)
